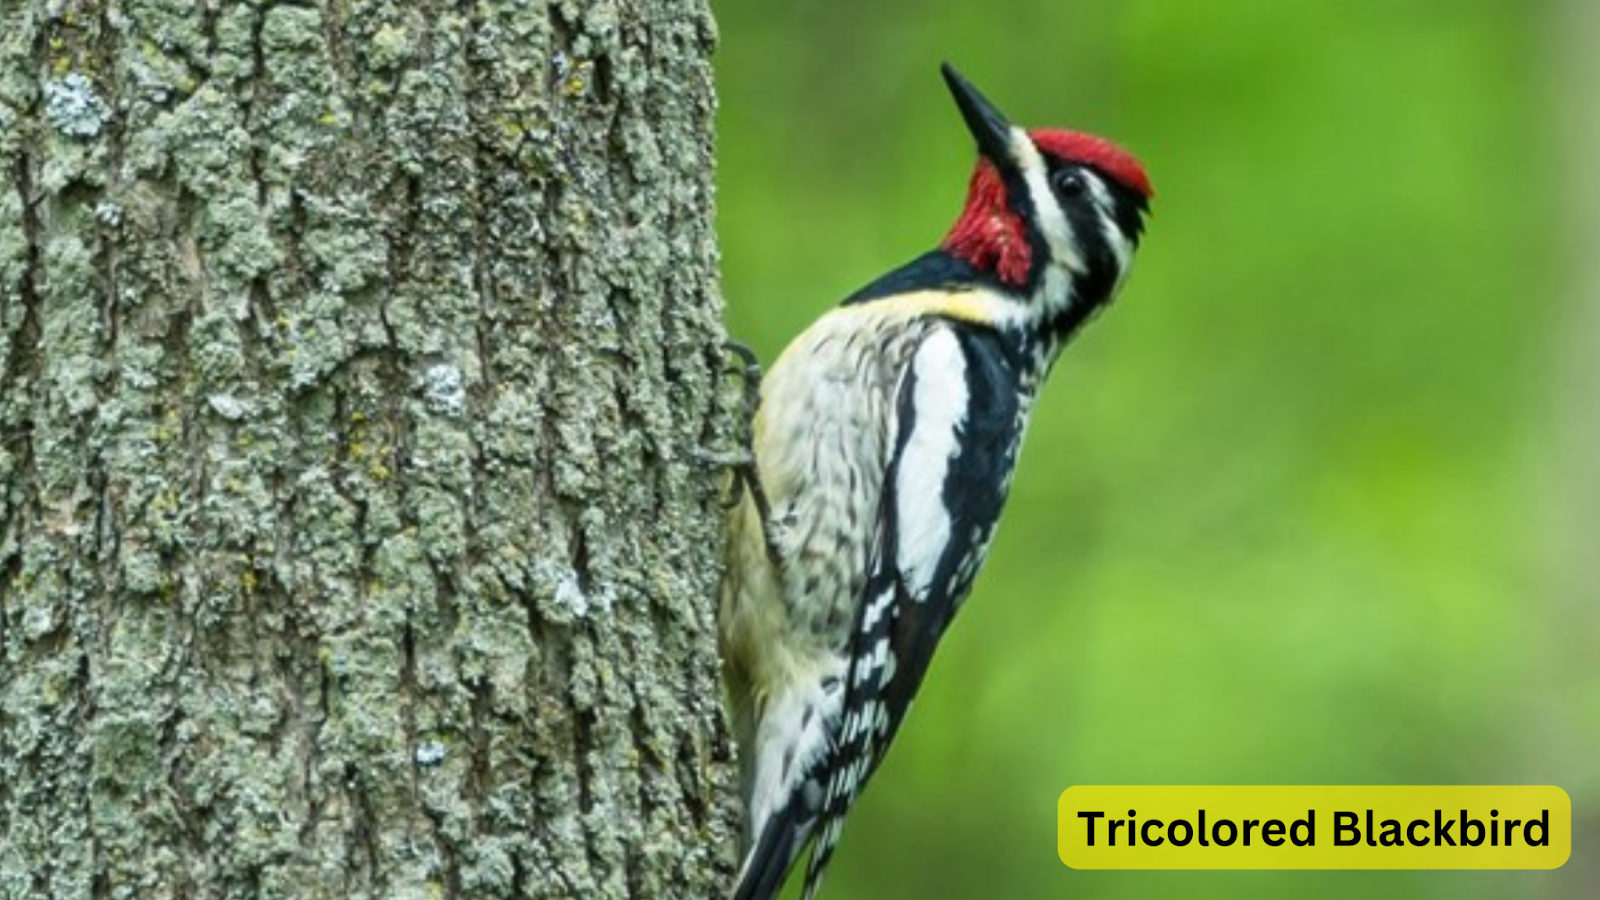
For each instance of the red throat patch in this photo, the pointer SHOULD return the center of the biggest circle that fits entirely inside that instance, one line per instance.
(989, 235)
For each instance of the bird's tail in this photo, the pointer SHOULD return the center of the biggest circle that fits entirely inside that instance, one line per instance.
(774, 854)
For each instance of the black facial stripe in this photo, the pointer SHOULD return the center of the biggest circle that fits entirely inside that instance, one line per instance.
(1128, 208)
(1021, 202)
(1127, 205)
(1094, 285)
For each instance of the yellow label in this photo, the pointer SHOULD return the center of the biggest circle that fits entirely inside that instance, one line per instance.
(1452, 827)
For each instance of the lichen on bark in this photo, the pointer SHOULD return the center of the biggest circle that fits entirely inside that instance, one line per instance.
(352, 355)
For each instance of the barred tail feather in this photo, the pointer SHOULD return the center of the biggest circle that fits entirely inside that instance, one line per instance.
(821, 855)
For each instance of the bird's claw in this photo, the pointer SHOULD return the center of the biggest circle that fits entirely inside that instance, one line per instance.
(749, 365)
(716, 459)
(741, 462)
(746, 476)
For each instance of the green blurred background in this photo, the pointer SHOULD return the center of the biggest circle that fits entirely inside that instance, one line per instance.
(1315, 502)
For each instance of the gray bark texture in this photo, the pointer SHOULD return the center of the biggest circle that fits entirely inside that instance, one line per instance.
(352, 354)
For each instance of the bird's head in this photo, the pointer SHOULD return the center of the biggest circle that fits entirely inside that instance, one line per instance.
(1054, 216)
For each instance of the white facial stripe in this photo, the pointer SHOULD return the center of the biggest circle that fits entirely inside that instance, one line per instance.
(1052, 219)
(1104, 204)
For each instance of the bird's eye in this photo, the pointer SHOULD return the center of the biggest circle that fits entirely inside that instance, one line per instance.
(1069, 182)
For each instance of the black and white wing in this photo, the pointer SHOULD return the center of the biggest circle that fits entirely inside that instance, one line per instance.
(959, 427)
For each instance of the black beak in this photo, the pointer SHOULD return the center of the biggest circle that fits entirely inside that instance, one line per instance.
(988, 126)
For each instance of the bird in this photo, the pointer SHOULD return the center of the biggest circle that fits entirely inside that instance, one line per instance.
(883, 445)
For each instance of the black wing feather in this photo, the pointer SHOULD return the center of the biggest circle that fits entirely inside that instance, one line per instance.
(973, 493)
(930, 271)
(775, 851)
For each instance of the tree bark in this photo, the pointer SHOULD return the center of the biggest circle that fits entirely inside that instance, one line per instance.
(351, 354)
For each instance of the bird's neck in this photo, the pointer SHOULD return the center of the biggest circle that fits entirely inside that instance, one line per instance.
(1048, 298)
(1047, 317)
(989, 235)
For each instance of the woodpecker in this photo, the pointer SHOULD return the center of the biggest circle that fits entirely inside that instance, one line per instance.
(884, 444)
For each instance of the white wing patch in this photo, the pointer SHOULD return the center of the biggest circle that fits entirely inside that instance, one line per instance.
(939, 398)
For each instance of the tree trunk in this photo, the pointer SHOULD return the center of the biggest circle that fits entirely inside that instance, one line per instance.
(351, 354)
